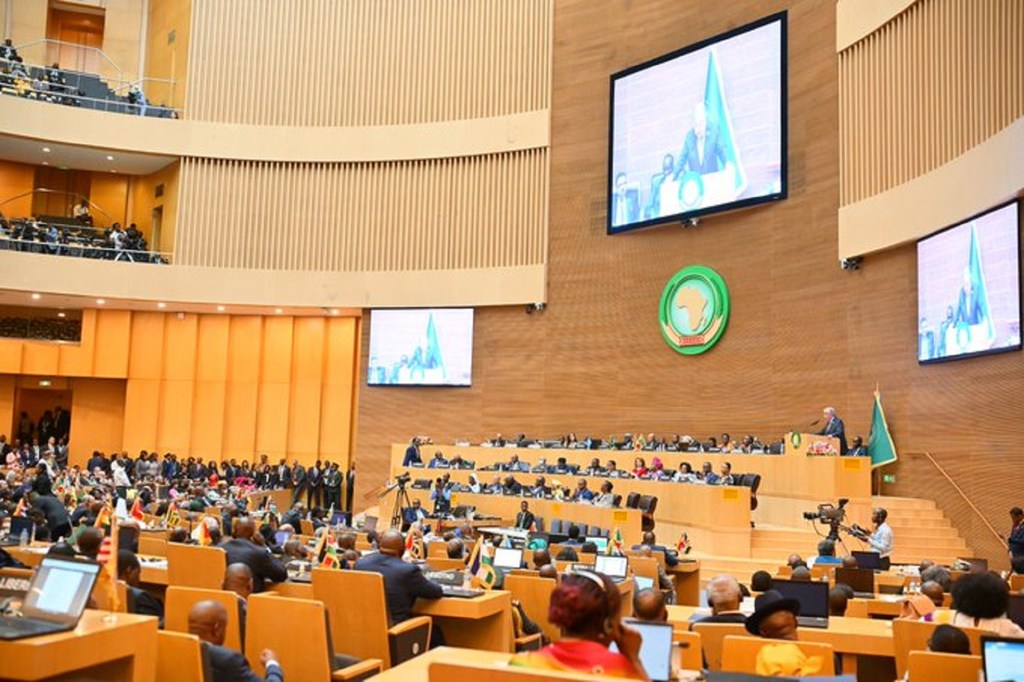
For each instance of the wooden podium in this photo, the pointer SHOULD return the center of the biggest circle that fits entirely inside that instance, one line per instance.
(811, 443)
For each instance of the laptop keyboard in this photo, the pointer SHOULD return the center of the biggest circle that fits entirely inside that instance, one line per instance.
(460, 592)
(26, 626)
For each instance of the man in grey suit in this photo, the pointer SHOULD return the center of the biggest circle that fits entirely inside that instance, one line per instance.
(835, 428)
(208, 620)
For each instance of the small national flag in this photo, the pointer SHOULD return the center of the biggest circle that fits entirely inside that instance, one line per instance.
(880, 446)
(471, 560)
(330, 559)
(320, 548)
(683, 546)
(103, 517)
(533, 526)
(615, 543)
(137, 512)
(201, 533)
(22, 506)
(484, 575)
(107, 557)
(172, 517)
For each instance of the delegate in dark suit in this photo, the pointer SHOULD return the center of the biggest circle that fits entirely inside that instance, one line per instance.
(524, 519)
(227, 665)
(144, 604)
(835, 428)
(242, 550)
(710, 159)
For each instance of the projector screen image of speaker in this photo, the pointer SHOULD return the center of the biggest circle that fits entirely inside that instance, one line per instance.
(968, 287)
(427, 347)
(700, 130)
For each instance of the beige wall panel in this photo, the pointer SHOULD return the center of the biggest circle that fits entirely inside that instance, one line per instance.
(935, 81)
(367, 62)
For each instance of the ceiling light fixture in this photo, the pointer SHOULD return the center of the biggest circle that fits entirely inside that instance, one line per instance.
(46, 150)
(100, 301)
(109, 157)
(61, 315)
(36, 297)
(278, 311)
(161, 304)
(220, 309)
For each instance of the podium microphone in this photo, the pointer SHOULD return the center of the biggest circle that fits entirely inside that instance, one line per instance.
(814, 423)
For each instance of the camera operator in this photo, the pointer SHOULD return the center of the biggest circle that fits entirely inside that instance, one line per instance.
(441, 495)
(881, 539)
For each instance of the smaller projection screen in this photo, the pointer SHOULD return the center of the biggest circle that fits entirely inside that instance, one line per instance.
(968, 287)
(699, 130)
(423, 347)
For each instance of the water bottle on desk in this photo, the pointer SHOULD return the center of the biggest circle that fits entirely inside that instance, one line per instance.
(23, 538)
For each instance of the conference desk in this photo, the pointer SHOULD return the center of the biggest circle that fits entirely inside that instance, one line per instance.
(118, 647)
(483, 622)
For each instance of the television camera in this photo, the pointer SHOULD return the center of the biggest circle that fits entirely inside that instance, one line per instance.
(833, 516)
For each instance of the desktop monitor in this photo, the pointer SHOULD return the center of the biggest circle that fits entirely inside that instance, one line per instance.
(872, 560)
(600, 542)
(612, 566)
(812, 595)
(508, 558)
(862, 580)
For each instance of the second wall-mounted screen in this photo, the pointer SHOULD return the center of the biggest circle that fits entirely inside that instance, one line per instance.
(700, 130)
(422, 347)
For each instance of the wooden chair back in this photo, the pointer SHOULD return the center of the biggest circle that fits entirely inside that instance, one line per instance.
(689, 649)
(534, 594)
(460, 672)
(101, 593)
(178, 601)
(656, 554)
(179, 657)
(857, 608)
(437, 549)
(20, 573)
(819, 572)
(153, 544)
(359, 614)
(645, 567)
(195, 566)
(437, 563)
(296, 629)
(913, 635)
(927, 666)
(1016, 583)
(306, 527)
(711, 638)
(739, 654)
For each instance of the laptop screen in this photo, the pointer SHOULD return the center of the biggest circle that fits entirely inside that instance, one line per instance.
(281, 537)
(655, 648)
(612, 566)
(507, 558)
(1003, 659)
(60, 590)
(1015, 611)
(860, 579)
(643, 583)
(22, 523)
(602, 543)
(813, 596)
(872, 560)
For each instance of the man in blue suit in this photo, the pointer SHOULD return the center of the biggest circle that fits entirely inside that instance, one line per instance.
(404, 583)
(208, 620)
(703, 150)
(835, 428)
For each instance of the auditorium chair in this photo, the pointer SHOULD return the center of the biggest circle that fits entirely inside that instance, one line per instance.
(739, 654)
(689, 649)
(438, 563)
(1016, 583)
(179, 657)
(306, 527)
(194, 566)
(913, 635)
(297, 630)
(712, 636)
(617, 501)
(178, 602)
(534, 594)
(645, 567)
(632, 500)
(752, 481)
(928, 666)
(359, 617)
(153, 544)
(647, 504)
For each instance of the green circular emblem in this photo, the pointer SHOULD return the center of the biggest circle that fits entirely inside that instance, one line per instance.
(694, 310)
(795, 439)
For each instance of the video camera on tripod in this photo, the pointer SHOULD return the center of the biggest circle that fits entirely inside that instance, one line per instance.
(832, 515)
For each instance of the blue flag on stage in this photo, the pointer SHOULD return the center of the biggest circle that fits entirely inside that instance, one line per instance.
(718, 116)
(977, 276)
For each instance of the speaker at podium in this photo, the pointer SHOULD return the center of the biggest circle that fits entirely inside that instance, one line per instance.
(811, 444)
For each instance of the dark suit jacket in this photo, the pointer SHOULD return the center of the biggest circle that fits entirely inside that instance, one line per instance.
(524, 519)
(225, 665)
(145, 604)
(836, 429)
(1016, 540)
(715, 153)
(403, 584)
(263, 565)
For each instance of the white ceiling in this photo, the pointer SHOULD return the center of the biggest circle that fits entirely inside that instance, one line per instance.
(25, 150)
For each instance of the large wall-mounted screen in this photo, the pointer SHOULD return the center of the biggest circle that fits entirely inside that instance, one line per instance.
(422, 347)
(700, 130)
(968, 287)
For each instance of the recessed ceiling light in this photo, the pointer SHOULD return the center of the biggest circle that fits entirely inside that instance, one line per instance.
(109, 157)
(220, 309)
(334, 311)
(161, 304)
(61, 315)
(46, 150)
(100, 301)
(112, 170)
(46, 163)
(36, 297)
(278, 311)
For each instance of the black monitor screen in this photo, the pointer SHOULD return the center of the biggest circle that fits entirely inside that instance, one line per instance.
(812, 595)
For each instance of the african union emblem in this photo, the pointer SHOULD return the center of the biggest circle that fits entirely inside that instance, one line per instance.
(694, 310)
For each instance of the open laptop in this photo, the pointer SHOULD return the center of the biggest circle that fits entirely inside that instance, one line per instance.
(813, 598)
(601, 542)
(1015, 610)
(507, 558)
(55, 600)
(862, 580)
(1002, 659)
(643, 583)
(655, 648)
(369, 523)
(614, 567)
(872, 560)
(19, 524)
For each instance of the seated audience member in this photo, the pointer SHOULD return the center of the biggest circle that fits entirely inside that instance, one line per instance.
(649, 605)
(208, 620)
(243, 548)
(639, 468)
(795, 560)
(724, 598)
(774, 617)
(574, 535)
(404, 583)
(139, 601)
(605, 498)
(940, 575)
(582, 492)
(541, 557)
(761, 581)
(651, 540)
(947, 639)
(838, 598)
(455, 549)
(685, 474)
(178, 535)
(238, 579)
(510, 486)
(857, 449)
(934, 591)
(665, 583)
(548, 571)
(980, 601)
(801, 573)
(567, 554)
(438, 462)
(414, 514)
(585, 607)
(540, 488)
(849, 561)
(89, 541)
(725, 476)
(294, 550)
(60, 550)
(588, 547)
(826, 554)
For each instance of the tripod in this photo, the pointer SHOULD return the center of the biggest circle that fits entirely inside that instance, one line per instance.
(401, 502)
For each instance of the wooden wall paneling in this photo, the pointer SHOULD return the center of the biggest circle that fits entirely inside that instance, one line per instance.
(141, 414)
(206, 435)
(304, 405)
(77, 359)
(177, 385)
(338, 388)
(8, 383)
(40, 358)
(275, 380)
(146, 351)
(243, 379)
(98, 417)
(113, 344)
